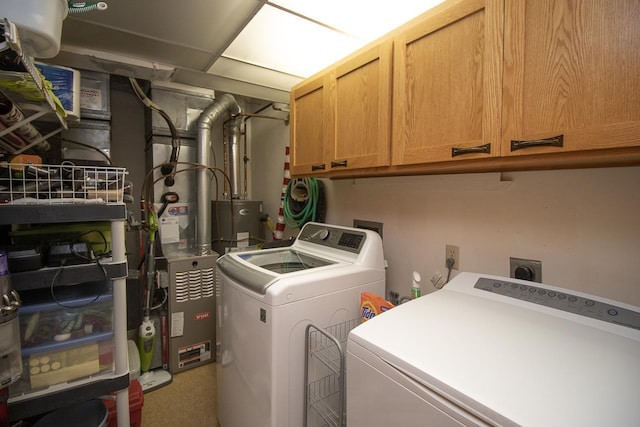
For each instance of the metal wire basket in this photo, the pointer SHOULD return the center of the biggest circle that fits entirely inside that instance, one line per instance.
(66, 183)
(325, 374)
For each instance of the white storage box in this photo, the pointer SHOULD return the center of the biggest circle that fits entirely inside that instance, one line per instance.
(39, 24)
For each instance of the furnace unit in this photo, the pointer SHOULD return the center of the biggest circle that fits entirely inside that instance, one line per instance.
(192, 303)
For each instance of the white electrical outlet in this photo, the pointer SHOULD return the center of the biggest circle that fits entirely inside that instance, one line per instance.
(453, 252)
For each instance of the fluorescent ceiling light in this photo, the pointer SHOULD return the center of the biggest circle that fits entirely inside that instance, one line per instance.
(365, 19)
(300, 38)
(281, 41)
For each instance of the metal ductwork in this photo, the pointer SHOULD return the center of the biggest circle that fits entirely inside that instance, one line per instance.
(224, 104)
(233, 130)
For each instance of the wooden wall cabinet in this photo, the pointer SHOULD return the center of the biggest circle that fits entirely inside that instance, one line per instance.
(571, 76)
(311, 126)
(341, 119)
(479, 85)
(362, 100)
(447, 78)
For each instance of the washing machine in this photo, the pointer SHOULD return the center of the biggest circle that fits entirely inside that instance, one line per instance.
(268, 297)
(493, 351)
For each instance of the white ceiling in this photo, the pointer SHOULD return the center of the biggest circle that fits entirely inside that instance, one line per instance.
(257, 48)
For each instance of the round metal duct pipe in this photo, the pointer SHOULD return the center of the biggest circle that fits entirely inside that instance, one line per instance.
(225, 104)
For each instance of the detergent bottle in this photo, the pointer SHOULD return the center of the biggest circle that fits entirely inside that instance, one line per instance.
(415, 285)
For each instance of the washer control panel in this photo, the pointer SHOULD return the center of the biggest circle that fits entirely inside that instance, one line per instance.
(564, 301)
(349, 240)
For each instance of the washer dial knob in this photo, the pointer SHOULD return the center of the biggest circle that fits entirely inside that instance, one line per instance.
(323, 234)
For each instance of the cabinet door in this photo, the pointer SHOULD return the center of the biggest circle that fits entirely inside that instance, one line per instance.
(447, 82)
(571, 76)
(362, 99)
(311, 127)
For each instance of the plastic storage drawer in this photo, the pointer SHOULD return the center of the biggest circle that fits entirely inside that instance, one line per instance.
(66, 338)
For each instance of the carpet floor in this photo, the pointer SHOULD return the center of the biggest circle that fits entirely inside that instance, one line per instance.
(189, 400)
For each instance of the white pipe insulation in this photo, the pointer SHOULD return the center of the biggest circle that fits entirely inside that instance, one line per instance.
(224, 104)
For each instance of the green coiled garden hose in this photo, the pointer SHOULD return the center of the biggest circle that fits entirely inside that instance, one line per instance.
(298, 212)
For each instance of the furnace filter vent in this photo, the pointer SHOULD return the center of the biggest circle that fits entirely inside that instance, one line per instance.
(195, 284)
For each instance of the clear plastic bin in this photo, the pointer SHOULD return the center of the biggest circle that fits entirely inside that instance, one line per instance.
(63, 337)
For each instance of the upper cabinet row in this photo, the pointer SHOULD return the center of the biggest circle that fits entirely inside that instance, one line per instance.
(478, 84)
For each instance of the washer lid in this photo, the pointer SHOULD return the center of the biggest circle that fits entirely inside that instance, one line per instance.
(284, 261)
(257, 270)
(527, 364)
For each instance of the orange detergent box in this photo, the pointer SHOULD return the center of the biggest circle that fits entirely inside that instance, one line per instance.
(372, 305)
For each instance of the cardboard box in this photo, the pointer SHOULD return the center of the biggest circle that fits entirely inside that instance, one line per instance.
(48, 369)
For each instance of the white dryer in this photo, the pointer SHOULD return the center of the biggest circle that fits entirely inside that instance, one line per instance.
(268, 297)
(489, 350)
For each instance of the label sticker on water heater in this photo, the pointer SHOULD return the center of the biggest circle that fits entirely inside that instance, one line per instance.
(243, 239)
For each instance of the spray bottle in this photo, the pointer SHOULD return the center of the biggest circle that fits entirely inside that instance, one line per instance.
(415, 285)
(146, 343)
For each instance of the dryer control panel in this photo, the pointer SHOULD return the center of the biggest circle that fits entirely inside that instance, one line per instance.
(350, 240)
(562, 300)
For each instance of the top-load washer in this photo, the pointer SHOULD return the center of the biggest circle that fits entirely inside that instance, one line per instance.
(268, 297)
(488, 350)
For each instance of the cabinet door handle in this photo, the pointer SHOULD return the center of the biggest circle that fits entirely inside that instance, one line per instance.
(318, 167)
(342, 163)
(555, 141)
(486, 148)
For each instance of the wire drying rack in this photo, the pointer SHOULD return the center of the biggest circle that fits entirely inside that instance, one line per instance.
(67, 183)
(325, 374)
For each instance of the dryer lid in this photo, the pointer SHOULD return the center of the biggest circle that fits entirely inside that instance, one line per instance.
(511, 359)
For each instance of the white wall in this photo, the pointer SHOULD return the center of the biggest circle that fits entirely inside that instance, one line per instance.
(269, 138)
(584, 225)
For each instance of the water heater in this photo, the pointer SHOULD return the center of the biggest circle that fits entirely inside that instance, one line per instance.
(235, 224)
